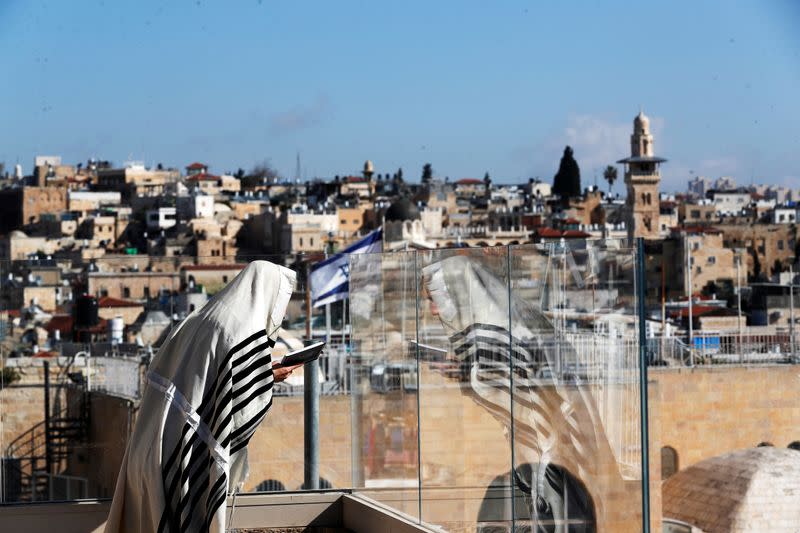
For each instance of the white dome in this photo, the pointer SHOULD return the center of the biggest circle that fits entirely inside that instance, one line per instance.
(641, 122)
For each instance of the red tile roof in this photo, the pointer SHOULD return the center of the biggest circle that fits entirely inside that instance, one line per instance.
(62, 323)
(552, 233)
(108, 301)
(469, 181)
(696, 229)
(698, 310)
(202, 177)
(196, 166)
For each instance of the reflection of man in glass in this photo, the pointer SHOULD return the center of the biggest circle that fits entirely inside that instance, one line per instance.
(555, 424)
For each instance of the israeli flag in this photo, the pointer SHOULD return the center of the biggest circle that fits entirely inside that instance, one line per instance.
(330, 279)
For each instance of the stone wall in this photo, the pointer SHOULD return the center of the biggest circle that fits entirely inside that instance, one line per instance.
(700, 412)
(703, 412)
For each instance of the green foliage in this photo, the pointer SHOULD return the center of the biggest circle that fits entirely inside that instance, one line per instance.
(567, 182)
(610, 175)
(8, 375)
(427, 173)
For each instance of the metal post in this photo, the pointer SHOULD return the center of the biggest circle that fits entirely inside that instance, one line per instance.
(689, 292)
(48, 458)
(791, 311)
(356, 423)
(417, 281)
(310, 405)
(643, 413)
(739, 304)
(511, 390)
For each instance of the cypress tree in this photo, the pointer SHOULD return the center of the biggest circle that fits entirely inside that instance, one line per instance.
(567, 182)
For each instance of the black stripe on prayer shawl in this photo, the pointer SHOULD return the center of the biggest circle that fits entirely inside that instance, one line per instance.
(226, 403)
(486, 346)
(217, 399)
(246, 431)
(216, 497)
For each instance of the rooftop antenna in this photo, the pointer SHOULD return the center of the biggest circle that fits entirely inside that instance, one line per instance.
(297, 169)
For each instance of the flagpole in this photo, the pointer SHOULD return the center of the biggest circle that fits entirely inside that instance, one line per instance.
(310, 404)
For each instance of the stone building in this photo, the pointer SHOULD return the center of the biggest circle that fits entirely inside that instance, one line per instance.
(132, 285)
(771, 248)
(27, 205)
(136, 180)
(642, 179)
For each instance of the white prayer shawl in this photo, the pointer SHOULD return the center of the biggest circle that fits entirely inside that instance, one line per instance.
(554, 423)
(209, 387)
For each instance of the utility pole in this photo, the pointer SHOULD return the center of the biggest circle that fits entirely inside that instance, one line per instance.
(791, 309)
(739, 302)
(689, 292)
(310, 404)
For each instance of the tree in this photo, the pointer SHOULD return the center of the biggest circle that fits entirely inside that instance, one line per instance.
(427, 173)
(567, 182)
(610, 175)
(262, 173)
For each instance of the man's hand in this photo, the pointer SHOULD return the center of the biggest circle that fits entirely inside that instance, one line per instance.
(280, 373)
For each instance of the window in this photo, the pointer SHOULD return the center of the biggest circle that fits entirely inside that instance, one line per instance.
(780, 244)
(695, 213)
(794, 445)
(669, 462)
(712, 260)
(311, 241)
(224, 279)
(146, 292)
(301, 241)
(126, 292)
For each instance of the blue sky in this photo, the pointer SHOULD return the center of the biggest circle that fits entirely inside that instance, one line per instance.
(468, 86)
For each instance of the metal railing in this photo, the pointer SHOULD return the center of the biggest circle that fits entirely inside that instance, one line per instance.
(723, 349)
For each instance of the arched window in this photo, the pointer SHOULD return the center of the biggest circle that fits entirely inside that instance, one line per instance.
(270, 485)
(794, 445)
(669, 462)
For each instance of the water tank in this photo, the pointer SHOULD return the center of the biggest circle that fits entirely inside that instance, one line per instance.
(86, 312)
(116, 326)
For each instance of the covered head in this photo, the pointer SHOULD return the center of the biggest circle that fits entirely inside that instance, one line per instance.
(466, 295)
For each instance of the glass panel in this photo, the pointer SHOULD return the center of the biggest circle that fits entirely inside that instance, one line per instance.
(577, 450)
(385, 380)
(465, 406)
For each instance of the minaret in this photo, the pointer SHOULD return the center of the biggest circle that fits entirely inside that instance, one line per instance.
(642, 178)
